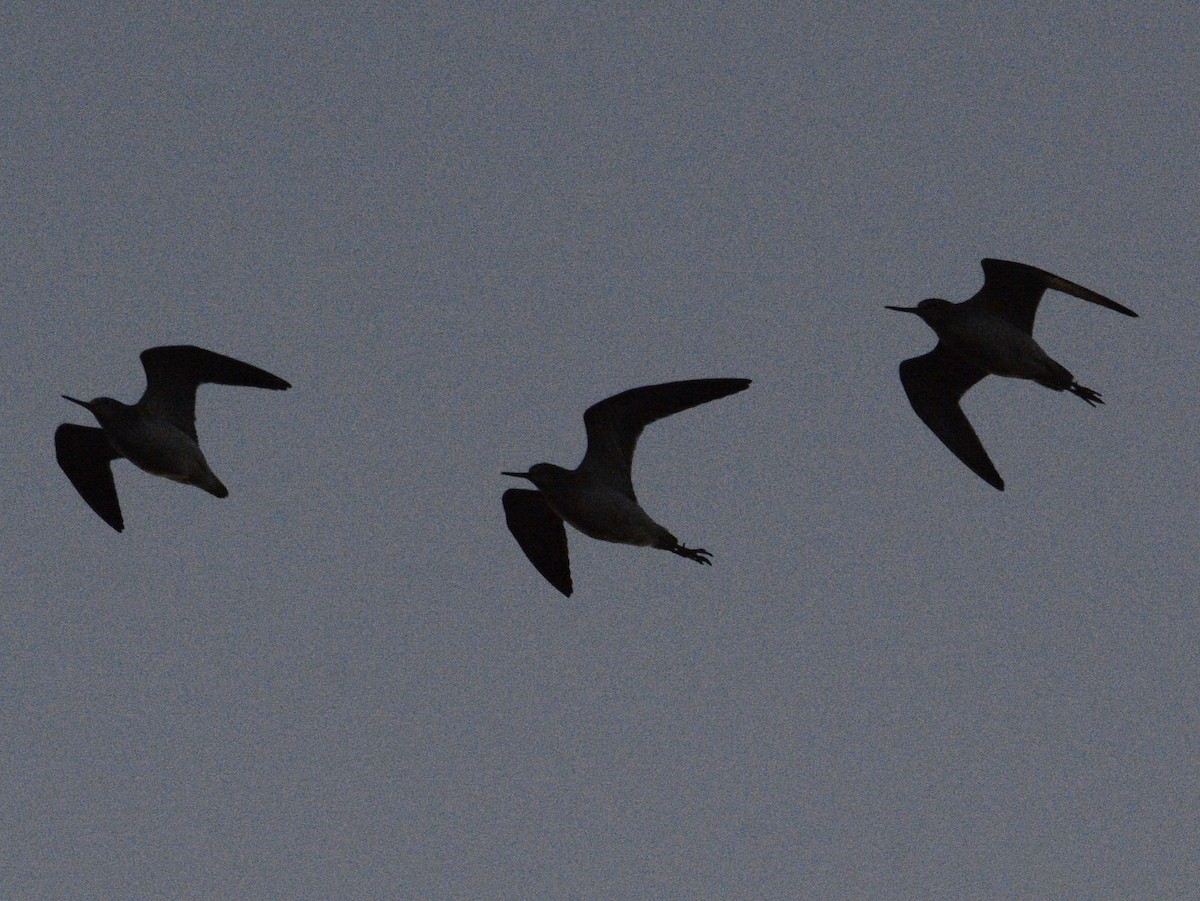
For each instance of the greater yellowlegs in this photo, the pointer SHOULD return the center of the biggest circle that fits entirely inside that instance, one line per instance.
(158, 433)
(989, 334)
(597, 497)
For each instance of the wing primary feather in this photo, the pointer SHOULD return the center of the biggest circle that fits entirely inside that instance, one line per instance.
(935, 383)
(1014, 290)
(174, 372)
(614, 424)
(85, 454)
(541, 535)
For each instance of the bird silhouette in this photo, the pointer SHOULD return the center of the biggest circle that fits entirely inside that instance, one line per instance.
(989, 334)
(158, 433)
(597, 497)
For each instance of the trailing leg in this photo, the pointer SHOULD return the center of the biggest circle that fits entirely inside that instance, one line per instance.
(1091, 397)
(692, 553)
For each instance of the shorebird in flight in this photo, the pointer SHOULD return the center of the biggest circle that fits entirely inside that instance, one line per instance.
(597, 497)
(158, 433)
(989, 334)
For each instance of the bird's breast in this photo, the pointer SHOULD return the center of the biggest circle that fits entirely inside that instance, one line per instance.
(161, 449)
(606, 514)
(999, 348)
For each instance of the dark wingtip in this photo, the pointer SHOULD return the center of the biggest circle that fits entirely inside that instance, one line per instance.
(731, 385)
(271, 382)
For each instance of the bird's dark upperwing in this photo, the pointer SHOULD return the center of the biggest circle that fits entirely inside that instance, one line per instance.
(613, 425)
(173, 373)
(935, 383)
(541, 534)
(85, 455)
(1013, 291)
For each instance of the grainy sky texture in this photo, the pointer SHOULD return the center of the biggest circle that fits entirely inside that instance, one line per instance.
(454, 228)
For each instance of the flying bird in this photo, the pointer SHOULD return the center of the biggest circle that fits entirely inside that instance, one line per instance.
(989, 334)
(158, 433)
(597, 497)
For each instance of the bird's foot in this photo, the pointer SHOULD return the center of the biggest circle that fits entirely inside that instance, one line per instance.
(692, 553)
(1089, 396)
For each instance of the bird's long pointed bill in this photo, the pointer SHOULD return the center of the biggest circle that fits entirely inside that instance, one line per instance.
(516, 475)
(901, 309)
(81, 403)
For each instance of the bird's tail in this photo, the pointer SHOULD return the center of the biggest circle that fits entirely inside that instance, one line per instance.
(1091, 397)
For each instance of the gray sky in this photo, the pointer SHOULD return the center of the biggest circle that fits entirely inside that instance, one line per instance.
(455, 229)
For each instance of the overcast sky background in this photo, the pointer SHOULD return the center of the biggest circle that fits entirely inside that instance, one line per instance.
(454, 229)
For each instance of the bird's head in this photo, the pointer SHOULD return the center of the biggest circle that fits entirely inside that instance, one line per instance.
(932, 309)
(543, 475)
(105, 409)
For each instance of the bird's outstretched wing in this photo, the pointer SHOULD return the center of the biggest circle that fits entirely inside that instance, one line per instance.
(85, 455)
(613, 425)
(541, 534)
(935, 383)
(174, 372)
(1013, 291)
